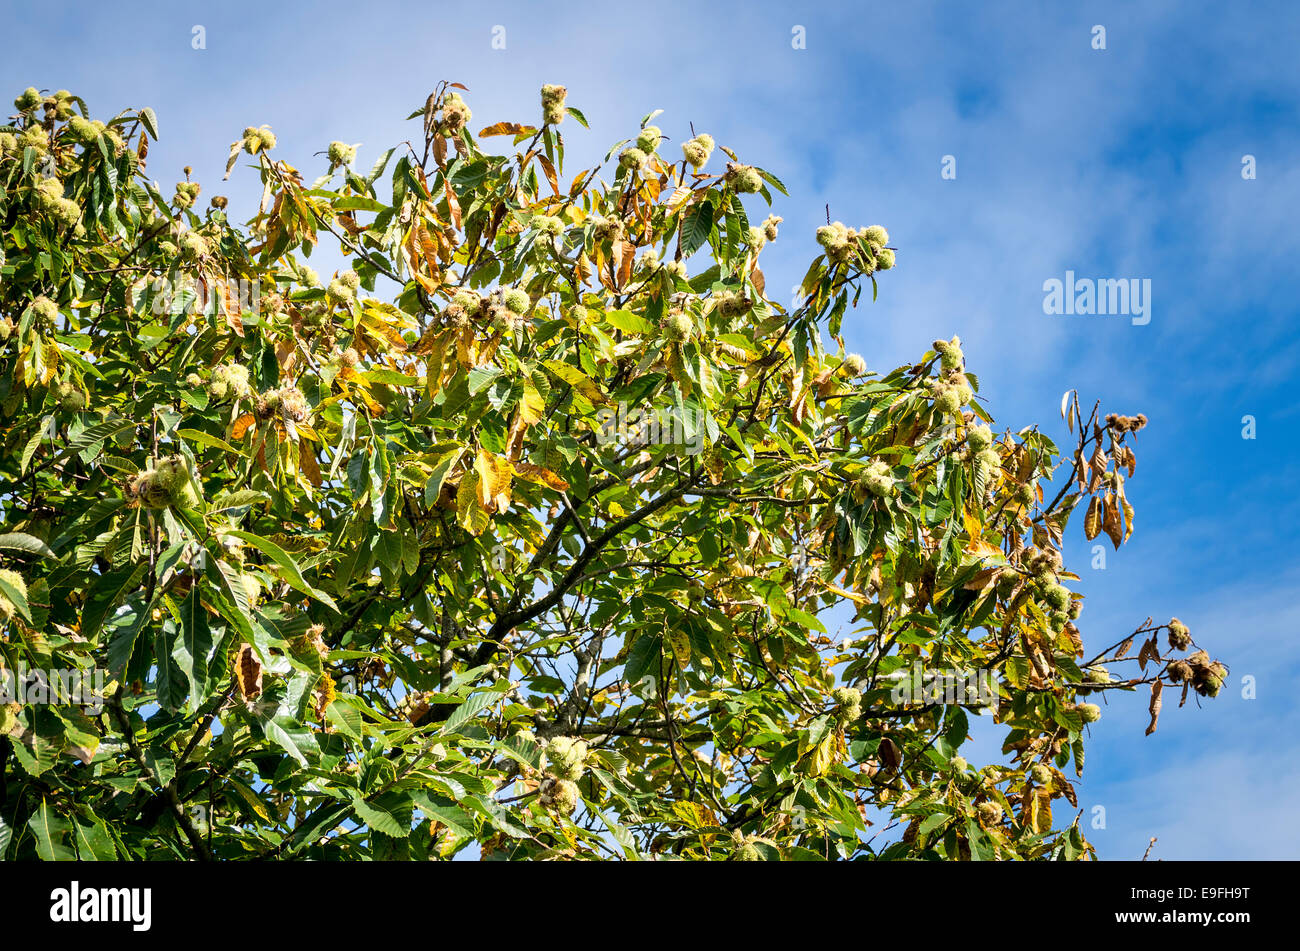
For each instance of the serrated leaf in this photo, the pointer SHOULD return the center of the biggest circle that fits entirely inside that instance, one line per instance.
(287, 565)
(49, 829)
(378, 819)
(21, 541)
(474, 704)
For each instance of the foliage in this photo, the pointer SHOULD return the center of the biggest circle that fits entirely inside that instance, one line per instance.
(385, 565)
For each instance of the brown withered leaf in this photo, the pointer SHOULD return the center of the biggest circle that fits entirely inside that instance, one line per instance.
(605, 268)
(248, 672)
(1111, 522)
(1070, 636)
(286, 355)
(625, 263)
(1098, 465)
(582, 270)
(1024, 464)
(1068, 789)
(453, 203)
(307, 463)
(349, 224)
(889, 754)
(1157, 688)
(515, 436)
(1042, 811)
(1148, 652)
(551, 177)
(1124, 649)
(430, 110)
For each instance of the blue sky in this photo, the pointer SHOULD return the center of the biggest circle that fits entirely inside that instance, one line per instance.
(1116, 163)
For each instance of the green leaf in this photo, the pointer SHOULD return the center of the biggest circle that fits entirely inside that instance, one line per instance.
(930, 823)
(695, 228)
(346, 718)
(169, 685)
(956, 728)
(150, 121)
(236, 500)
(474, 704)
(378, 819)
(49, 829)
(207, 439)
(21, 541)
(292, 573)
(32, 444)
(106, 594)
(448, 813)
(90, 443)
(93, 840)
(293, 738)
(643, 659)
(194, 642)
(125, 629)
(629, 322)
(621, 835)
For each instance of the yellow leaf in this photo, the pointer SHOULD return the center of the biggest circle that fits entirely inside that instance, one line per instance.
(1092, 520)
(982, 548)
(384, 332)
(822, 755)
(681, 644)
(577, 379)
(505, 128)
(542, 476)
(531, 405)
(469, 514)
(494, 475)
(851, 595)
(1042, 811)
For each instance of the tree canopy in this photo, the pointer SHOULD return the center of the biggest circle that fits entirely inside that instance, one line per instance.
(524, 534)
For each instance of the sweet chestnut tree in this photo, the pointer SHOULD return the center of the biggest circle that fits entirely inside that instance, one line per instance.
(521, 533)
